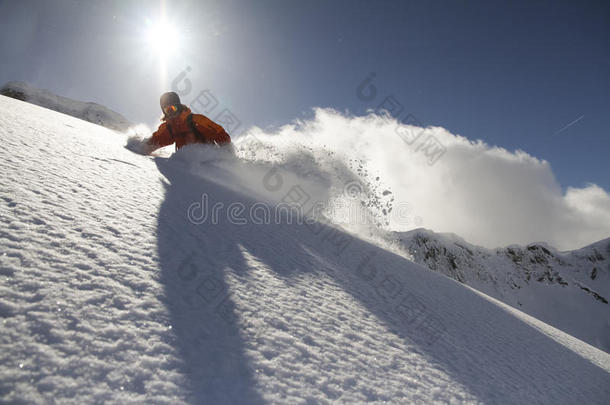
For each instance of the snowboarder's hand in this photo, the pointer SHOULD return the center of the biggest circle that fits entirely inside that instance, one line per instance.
(140, 145)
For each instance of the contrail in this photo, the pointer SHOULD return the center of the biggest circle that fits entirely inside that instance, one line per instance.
(570, 124)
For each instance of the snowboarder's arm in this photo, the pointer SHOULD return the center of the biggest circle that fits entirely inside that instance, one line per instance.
(211, 130)
(160, 138)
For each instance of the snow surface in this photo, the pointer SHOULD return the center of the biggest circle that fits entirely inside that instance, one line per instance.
(113, 289)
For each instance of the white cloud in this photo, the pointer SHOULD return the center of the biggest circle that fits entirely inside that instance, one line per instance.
(488, 195)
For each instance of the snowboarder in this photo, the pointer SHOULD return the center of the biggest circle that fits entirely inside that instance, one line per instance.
(182, 127)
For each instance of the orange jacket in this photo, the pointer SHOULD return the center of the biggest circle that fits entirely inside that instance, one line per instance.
(177, 129)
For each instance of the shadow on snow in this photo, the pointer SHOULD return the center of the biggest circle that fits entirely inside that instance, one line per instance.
(411, 302)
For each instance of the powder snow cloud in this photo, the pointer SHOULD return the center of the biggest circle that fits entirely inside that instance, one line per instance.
(488, 195)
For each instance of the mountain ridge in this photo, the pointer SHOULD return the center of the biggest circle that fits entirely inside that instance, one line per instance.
(511, 273)
(88, 111)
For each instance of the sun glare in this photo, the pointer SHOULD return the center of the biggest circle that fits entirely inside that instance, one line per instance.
(163, 40)
(162, 36)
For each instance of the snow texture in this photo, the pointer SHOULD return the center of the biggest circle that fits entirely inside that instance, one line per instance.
(113, 289)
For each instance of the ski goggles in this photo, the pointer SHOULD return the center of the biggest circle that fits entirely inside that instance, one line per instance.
(170, 109)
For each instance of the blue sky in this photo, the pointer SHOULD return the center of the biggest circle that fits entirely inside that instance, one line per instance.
(512, 73)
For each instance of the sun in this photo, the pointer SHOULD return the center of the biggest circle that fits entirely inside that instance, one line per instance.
(162, 36)
(163, 41)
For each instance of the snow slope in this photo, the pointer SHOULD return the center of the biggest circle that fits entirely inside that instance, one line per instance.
(115, 287)
(569, 290)
(91, 112)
